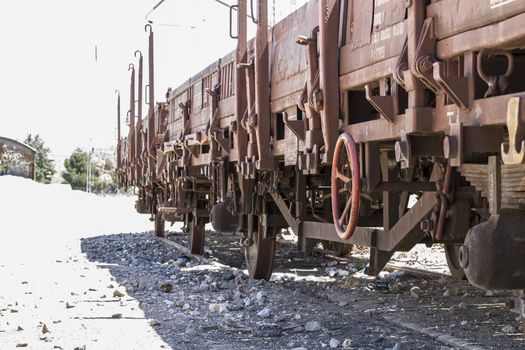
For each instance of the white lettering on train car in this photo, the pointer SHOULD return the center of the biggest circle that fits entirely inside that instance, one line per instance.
(378, 18)
(498, 3)
(378, 53)
(388, 32)
(378, 3)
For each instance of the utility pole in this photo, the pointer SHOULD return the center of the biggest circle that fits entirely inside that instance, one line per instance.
(89, 178)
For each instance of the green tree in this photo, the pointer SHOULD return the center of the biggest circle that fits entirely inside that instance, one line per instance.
(45, 169)
(107, 179)
(102, 171)
(76, 170)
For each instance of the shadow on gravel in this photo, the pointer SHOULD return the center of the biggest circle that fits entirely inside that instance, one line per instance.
(166, 283)
(195, 305)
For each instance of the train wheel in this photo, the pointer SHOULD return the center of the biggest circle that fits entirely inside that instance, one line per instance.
(159, 225)
(259, 255)
(452, 254)
(346, 185)
(196, 235)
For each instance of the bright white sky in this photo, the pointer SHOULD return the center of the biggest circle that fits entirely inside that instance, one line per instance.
(50, 83)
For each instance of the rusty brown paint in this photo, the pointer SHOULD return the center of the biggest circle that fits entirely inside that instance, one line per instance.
(257, 128)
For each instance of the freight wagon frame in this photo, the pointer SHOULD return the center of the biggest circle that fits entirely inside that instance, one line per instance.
(381, 123)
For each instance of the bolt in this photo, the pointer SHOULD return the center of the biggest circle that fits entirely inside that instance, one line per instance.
(449, 147)
(463, 257)
(425, 64)
(248, 242)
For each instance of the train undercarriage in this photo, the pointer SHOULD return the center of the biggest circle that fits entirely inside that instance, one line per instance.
(411, 133)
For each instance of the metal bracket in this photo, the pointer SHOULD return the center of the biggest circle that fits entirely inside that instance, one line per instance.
(308, 162)
(455, 87)
(462, 140)
(403, 151)
(401, 66)
(311, 100)
(422, 66)
(285, 212)
(297, 126)
(383, 104)
(513, 152)
(222, 141)
(248, 168)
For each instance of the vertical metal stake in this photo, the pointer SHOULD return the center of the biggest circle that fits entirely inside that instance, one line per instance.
(494, 173)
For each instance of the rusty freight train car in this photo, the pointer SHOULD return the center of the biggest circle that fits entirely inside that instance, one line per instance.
(381, 123)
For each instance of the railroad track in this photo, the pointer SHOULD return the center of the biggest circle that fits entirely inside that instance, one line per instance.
(392, 266)
(445, 336)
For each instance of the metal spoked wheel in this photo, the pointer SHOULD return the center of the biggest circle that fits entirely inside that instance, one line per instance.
(346, 185)
(452, 254)
(196, 235)
(159, 225)
(259, 255)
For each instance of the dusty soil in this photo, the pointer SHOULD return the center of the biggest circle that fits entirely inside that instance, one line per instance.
(46, 280)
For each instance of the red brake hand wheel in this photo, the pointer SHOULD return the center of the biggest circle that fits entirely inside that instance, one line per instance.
(348, 175)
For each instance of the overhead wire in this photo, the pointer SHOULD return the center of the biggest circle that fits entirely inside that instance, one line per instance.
(161, 1)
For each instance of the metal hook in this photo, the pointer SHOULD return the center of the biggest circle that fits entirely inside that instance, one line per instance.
(150, 28)
(117, 92)
(233, 7)
(140, 53)
(481, 73)
(131, 66)
(497, 84)
(510, 64)
(254, 19)
(513, 152)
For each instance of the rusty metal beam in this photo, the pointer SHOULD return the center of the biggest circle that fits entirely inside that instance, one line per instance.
(329, 74)
(326, 231)
(483, 112)
(509, 32)
(404, 234)
(285, 212)
(262, 89)
(368, 74)
(400, 186)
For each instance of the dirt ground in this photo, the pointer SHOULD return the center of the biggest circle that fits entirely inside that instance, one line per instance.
(46, 280)
(83, 272)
